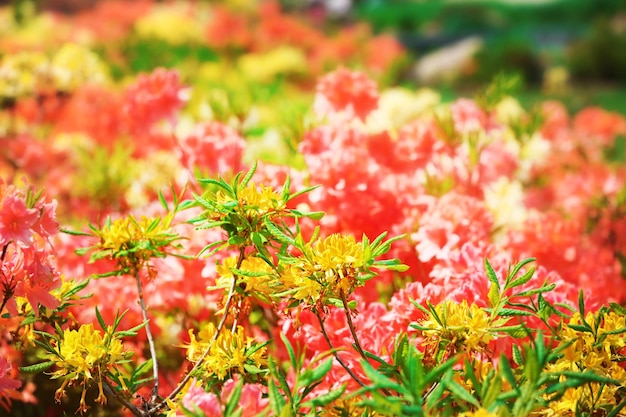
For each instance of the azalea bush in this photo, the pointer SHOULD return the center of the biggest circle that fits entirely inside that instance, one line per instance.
(197, 239)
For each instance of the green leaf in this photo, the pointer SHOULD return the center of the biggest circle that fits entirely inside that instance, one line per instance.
(304, 191)
(141, 369)
(523, 279)
(325, 399)
(74, 232)
(459, 392)
(581, 305)
(507, 372)
(518, 267)
(277, 233)
(292, 356)
(244, 182)
(163, 201)
(233, 401)
(313, 375)
(506, 312)
(220, 184)
(101, 321)
(491, 274)
(313, 215)
(545, 288)
(580, 328)
(38, 367)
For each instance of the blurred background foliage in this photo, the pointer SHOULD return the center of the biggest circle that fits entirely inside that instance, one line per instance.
(571, 50)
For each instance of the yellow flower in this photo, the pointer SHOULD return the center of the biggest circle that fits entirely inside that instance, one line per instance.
(133, 241)
(255, 201)
(300, 286)
(82, 355)
(261, 282)
(229, 353)
(337, 260)
(74, 66)
(461, 325)
(23, 73)
(170, 24)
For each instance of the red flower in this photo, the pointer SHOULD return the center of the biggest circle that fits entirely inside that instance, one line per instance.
(345, 91)
(16, 219)
(151, 98)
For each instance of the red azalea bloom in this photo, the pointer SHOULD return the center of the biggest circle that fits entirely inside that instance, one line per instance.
(16, 220)
(346, 91)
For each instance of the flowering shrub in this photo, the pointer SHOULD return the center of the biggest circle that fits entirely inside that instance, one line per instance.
(200, 249)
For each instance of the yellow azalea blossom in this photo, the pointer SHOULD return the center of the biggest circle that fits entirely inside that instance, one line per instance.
(133, 241)
(300, 286)
(23, 73)
(255, 201)
(228, 353)
(83, 355)
(264, 285)
(335, 262)
(170, 24)
(74, 66)
(464, 325)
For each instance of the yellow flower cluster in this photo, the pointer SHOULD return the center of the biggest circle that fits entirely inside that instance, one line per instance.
(229, 352)
(328, 268)
(23, 73)
(461, 327)
(261, 282)
(28, 73)
(82, 355)
(596, 351)
(254, 201)
(132, 241)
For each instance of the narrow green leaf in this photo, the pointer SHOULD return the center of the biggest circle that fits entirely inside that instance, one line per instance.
(248, 177)
(546, 288)
(290, 352)
(163, 201)
(527, 276)
(491, 274)
(313, 375)
(519, 266)
(580, 328)
(74, 232)
(304, 191)
(277, 233)
(143, 368)
(38, 367)
(233, 401)
(459, 392)
(581, 304)
(325, 399)
(101, 321)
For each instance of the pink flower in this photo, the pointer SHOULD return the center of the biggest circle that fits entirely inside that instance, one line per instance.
(350, 92)
(197, 398)
(7, 384)
(151, 98)
(16, 219)
(212, 148)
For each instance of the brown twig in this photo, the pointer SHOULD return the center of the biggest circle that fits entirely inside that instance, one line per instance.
(155, 365)
(204, 355)
(334, 351)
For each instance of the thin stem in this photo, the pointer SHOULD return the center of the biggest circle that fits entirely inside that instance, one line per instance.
(133, 409)
(330, 344)
(220, 326)
(357, 344)
(155, 365)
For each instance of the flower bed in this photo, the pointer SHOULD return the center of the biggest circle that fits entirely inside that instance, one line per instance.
(258, 230)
